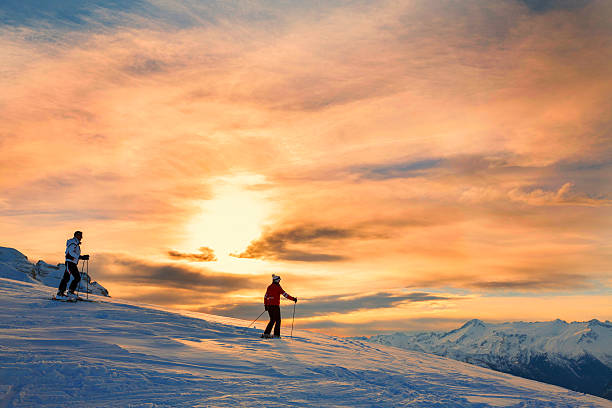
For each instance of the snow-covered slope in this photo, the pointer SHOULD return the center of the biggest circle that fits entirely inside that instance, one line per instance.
(15, 265)
(576, 355)
(119, 354)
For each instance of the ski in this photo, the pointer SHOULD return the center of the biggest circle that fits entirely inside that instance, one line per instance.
(67, 299)
(73, 300)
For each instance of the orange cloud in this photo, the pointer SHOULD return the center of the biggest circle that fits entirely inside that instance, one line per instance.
(206, 255)
(563, 196)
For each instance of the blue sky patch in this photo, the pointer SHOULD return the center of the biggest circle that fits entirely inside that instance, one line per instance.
(398, 170)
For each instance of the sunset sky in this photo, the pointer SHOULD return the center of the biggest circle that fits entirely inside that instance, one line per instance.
(403, 165)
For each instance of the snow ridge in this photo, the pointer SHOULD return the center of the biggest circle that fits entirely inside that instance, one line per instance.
(15, 265)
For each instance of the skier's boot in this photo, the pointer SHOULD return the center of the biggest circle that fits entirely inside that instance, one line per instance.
(71, 295)
(277, 336)
(266, 336)
(61, 296)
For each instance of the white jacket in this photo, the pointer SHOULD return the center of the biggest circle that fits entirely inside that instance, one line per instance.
(73, 248)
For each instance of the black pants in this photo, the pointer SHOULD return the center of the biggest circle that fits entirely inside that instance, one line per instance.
(275, 320)
(71, 269)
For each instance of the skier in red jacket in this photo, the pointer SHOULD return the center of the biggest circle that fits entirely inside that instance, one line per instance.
(272, 305)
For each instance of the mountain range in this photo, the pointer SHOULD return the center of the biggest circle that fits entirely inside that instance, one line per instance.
(575, 355)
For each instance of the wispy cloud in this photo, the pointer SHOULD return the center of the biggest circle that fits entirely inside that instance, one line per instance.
(206, 255)
(565, 195)
(545, 277)
(550, 282)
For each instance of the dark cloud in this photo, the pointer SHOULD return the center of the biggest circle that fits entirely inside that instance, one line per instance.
(276, 245)
(382, 300)
(306, 244)
(543, 6)
(206, 255)
(132, 271)
(582, 165)
(190, 298)
(326, 305)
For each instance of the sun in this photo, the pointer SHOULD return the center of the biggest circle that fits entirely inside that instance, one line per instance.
(231, 220)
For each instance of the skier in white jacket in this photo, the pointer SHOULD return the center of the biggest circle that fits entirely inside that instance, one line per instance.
(73, 254)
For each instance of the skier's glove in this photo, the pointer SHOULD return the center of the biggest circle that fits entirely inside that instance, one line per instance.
(295, 300)
(85, 257)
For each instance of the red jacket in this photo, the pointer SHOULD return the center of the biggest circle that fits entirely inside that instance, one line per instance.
(272, 296)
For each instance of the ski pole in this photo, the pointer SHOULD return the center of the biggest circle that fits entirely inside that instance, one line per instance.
(81, 275)
(87, 295)
(293, 319)
(256, 319)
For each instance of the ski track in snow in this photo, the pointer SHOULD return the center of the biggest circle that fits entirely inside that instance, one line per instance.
(120, 354)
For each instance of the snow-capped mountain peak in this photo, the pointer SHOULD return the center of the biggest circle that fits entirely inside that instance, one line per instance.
(472, 329)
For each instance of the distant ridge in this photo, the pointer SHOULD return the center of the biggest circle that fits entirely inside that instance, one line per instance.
(575, 355)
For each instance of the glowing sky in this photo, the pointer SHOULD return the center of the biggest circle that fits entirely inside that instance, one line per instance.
(402, 164)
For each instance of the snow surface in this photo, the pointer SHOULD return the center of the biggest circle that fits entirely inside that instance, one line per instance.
(121, 354)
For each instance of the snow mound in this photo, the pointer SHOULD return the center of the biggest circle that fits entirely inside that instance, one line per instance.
(15, 265)
(116, 353)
